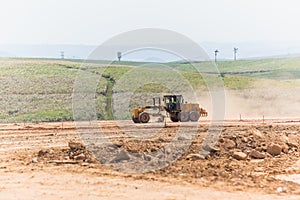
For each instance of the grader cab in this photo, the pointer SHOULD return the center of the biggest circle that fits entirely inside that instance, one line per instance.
(175, 108)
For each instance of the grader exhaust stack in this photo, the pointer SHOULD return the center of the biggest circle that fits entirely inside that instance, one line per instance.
(174, 106)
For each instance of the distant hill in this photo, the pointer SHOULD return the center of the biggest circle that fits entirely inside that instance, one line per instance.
(46, 51)
(247, 50)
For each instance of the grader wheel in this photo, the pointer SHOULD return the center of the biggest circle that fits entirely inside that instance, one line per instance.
(135, 120)
(144, 117)
(174, 119)
(194, 116)
(184, 117)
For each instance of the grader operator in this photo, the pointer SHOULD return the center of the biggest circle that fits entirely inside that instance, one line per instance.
(174, 106)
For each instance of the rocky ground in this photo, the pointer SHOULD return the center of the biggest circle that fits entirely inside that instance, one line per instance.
(247, 157)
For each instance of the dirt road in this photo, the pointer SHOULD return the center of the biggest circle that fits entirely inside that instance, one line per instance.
(49, 185)
(37, 162)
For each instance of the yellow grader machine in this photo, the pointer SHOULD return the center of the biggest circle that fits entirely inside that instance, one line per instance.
(174, 106)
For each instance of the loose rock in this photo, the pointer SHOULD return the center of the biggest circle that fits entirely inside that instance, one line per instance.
(274, 149)
(85, 164)
(245, 140)
(195, 156)
(256, 154)
(292, 141)
(257, 133)
(147, 158)
(75, 145)
(239, 155)
(42, 153)
(211, 149)
(34, 160)
(121, 156)
(80, 157)
(285, 148)
(229, 144)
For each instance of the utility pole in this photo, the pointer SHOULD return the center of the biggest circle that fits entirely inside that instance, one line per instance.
(216, 53)
(235, 52)
(62, 55)
(119, 54)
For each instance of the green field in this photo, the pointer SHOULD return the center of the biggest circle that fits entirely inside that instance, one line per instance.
(41, 89)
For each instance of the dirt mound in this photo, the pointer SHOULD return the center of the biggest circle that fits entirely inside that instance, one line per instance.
(75, 154)
(244, 157)
(266, 141)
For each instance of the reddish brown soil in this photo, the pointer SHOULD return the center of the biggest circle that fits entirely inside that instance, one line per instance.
(37, 162)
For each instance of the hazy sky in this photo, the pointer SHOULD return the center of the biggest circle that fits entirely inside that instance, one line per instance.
(94, 21)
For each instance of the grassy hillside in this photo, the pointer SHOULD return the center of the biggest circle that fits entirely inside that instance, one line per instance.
(41, 89)
(272, 68)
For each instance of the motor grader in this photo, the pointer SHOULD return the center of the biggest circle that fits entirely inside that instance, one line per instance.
(175, 108)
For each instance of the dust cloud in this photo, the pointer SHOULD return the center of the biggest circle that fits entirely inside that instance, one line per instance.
(270, 103)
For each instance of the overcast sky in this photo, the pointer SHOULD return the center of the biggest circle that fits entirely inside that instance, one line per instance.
(94, 21)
